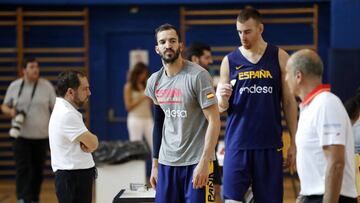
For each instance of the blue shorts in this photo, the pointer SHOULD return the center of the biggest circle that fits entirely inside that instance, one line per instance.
(262, 169)
(175, 185)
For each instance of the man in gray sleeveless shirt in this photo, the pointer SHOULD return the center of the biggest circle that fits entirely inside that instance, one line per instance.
(35, 97)
(183, 90)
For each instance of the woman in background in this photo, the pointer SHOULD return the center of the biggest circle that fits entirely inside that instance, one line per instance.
(352, 107)
(138, 106)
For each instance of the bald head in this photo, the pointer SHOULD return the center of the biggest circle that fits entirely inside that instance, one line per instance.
(307, 62)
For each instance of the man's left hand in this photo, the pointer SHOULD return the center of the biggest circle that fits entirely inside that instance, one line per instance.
(291, 158)
(200, 175)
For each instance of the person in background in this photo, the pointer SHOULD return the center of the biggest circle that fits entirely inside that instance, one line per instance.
(29, 101)
(138, 106)
(352, 107)
(199, 53)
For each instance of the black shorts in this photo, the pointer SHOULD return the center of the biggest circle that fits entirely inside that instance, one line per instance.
(217, 172)
(319, 199)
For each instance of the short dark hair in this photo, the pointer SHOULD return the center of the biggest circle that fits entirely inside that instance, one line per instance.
(28, 60)
(352, 107)
(164, 27)
(197, 49)
(247, 13)
(68, 79)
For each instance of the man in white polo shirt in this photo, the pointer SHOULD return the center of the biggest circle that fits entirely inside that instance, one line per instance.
(324, 139)
(71, 143)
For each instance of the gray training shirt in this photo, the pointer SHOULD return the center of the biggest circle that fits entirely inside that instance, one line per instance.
(182, 98)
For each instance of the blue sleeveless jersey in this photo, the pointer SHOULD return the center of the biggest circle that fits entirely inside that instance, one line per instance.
(254, 114)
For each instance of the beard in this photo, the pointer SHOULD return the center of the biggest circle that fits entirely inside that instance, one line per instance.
(170, 59)
(206, 66)
(77, 101)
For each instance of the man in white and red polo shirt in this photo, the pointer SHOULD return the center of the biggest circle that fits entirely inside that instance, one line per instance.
(324, 140)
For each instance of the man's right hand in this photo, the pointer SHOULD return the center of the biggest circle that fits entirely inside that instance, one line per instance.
(88, 141)
(84, 148)
(223, 94)
(224, 91)
(154, 177)
(8, 110)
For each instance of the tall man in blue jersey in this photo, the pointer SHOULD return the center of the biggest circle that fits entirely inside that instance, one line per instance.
(252, 89)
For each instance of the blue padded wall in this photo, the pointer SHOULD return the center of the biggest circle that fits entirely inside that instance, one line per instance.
(344, 65)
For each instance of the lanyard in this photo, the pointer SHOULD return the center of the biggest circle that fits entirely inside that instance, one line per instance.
(32, 93)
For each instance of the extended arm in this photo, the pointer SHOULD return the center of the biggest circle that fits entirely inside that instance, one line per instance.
(201, 171)
(159, 117)
(290, 110)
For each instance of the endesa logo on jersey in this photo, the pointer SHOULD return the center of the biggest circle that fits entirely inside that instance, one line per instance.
(255, 89)
(175, 113)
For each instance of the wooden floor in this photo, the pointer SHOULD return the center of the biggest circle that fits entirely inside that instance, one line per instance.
(7, 191)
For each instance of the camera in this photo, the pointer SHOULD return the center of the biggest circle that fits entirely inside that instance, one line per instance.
(17, 123)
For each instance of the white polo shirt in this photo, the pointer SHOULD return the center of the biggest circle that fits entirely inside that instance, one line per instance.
(66, 124)
(323, 121)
